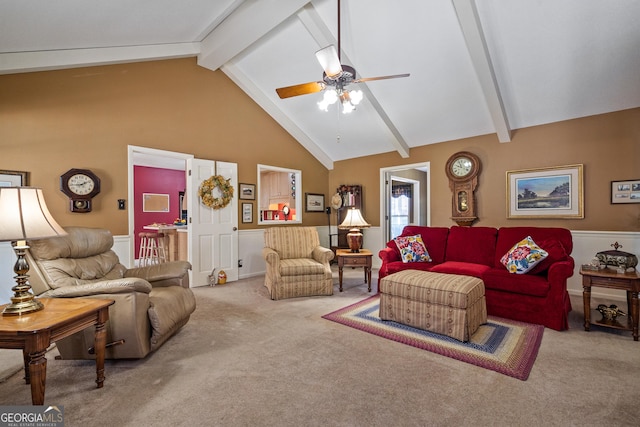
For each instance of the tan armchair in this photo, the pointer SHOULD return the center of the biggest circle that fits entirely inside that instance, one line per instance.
(296, 263)
(151, 303)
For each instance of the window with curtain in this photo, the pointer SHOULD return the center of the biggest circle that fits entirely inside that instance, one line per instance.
(401, 207)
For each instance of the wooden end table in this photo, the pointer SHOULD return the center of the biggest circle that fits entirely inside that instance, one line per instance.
(607, 278)
(355, 259)
(61, 317)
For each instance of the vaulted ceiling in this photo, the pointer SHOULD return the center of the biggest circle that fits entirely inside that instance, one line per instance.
(477, 67)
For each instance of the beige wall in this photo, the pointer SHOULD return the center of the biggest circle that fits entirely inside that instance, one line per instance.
(85, 118)
(607, 145)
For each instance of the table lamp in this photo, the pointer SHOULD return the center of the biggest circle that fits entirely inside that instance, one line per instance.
(25, 216)
(354, 222)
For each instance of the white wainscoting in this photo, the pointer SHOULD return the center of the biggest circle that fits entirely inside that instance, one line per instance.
(122, 248)
(250, 243)
(7, 260)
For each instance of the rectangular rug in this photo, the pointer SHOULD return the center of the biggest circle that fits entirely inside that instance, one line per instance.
(502, 345)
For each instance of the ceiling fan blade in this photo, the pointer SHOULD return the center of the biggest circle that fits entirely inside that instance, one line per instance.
(301, 89)
(330, 61)
(369, 79)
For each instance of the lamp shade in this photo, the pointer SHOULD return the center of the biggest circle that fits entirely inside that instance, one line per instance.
(354, 219)
(25, 216)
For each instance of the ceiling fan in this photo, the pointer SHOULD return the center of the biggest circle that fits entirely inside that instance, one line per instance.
(337, 76)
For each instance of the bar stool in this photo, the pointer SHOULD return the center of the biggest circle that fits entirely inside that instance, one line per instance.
(152, 249)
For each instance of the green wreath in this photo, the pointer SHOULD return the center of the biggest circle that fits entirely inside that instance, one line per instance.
(206, 192)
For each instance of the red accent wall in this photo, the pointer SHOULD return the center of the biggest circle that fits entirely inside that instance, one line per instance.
(159, 181)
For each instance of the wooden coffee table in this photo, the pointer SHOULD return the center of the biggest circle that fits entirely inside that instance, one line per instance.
(60, 318)
(355, 259)
(607, 278)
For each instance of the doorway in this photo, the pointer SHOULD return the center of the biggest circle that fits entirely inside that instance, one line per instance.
(405, 198)
(152, 158)
(217, 246)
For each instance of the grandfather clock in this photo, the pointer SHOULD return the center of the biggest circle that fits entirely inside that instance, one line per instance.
(462, 170)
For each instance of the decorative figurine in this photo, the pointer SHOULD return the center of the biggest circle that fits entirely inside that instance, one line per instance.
(610, 313)
(222, 277)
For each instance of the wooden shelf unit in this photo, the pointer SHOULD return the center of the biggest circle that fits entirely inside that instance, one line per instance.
(351, 198)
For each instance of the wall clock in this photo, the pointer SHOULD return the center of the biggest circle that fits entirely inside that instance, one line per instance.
(80, 185)
(463, 169)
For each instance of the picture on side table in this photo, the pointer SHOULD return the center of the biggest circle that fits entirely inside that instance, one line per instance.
(314, 202)
(14, 178)
(553, 192)
(625, 191)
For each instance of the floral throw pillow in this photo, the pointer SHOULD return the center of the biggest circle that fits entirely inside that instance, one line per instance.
(523, 256)
(412, 249)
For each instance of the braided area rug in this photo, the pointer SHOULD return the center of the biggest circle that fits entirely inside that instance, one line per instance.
(502, 345)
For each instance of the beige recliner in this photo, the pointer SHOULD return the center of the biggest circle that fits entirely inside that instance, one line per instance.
(151, 303)
(296, 263)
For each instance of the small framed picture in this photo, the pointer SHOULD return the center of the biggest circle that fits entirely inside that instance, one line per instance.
(314, 202)
(14, 178)
(625, 191)
(247, 213)
(247, 191)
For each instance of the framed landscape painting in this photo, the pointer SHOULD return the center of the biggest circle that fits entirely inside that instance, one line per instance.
(554, 192)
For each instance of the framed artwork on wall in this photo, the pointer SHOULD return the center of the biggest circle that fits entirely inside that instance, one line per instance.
(247, 212)
(14, 178)
(247, 191)
(553, 192)
(625, 191)
(152, 202)
(313, 202)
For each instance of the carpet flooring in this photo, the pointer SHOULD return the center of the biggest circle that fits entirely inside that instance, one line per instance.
(501, 345)
(245, 360)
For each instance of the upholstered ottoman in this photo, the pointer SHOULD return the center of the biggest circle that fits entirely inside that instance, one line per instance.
(447, 304)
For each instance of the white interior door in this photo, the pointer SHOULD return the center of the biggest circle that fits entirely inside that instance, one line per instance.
(213, 233)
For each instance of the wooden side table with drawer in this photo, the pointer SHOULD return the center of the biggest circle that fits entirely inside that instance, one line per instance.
(346, 258)
(607, 278)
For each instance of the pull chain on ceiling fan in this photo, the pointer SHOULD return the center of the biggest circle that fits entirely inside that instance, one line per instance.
(336, 76)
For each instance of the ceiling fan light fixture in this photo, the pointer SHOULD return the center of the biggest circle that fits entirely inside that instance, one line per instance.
(349, 100)
(329, 97)
(347, 107)
(356, 96)
(330, 61)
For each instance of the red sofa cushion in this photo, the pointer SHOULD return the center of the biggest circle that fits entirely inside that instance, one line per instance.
(526, 284)
(555, 252)
(476, 245)
(396, 266)
(434, 238)
(464, 268)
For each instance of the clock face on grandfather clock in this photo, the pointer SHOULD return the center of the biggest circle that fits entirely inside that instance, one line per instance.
(80, 185)
(463, 169)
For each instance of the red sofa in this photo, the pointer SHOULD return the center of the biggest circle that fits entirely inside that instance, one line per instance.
(539, 296)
